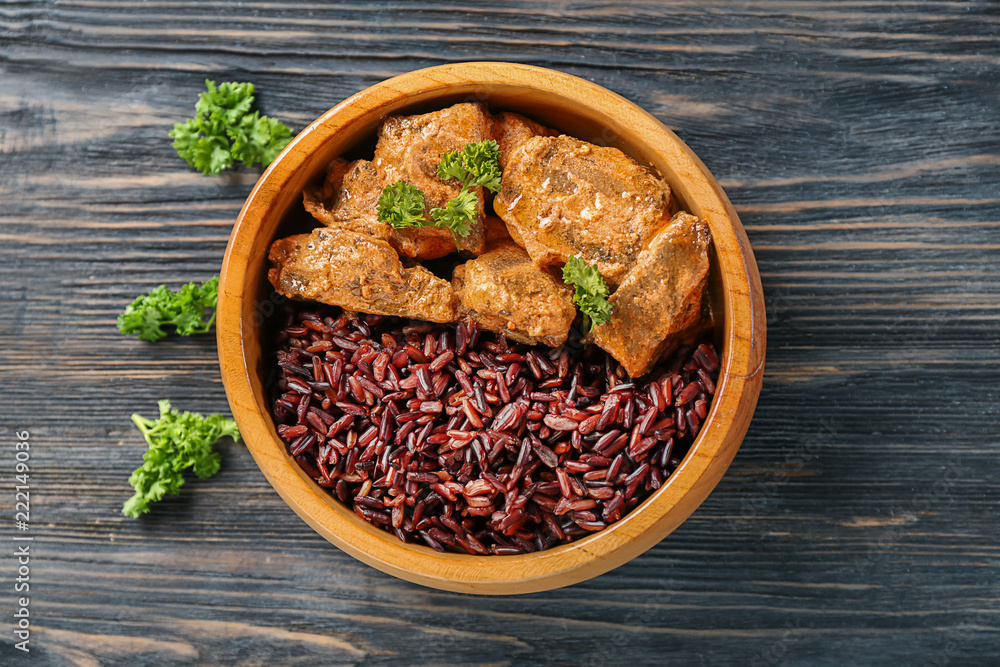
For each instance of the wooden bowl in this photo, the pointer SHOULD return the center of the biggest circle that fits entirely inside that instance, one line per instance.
(578, 108)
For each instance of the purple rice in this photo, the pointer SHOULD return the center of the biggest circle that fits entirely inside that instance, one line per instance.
(463, 441)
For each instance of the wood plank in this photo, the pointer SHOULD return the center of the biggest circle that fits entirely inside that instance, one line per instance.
(859, 142)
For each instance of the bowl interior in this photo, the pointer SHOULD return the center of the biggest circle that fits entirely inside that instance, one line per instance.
(550, 109)
(275, 210)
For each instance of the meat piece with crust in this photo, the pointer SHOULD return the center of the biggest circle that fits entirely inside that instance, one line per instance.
(510, 130)
(409, 149)
(562, 197)
(496, 232)
(349, 198)
(506, 292)
(355, 271)
(660, 298)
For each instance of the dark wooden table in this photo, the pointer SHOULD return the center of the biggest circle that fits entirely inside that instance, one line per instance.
(860, 143)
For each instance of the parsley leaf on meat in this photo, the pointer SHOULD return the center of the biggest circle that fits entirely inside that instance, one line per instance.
(458, 214)
(476, 165)
(591, 291)
(224, 131)
(401, 205)
(185, 310)
(176, 441)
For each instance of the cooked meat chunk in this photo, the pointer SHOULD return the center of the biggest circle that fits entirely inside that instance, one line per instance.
(506, 292)
(349, 198)
(660, 297)
(562, 197)
(510, 130)
(356, 271)
(496, 232)
(410, 147)
(335, 175)
(356, 195)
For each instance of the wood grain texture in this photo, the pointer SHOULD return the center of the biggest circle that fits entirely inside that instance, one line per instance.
(859, 143)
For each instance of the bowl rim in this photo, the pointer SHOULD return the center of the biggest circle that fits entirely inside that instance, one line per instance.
(737, 390)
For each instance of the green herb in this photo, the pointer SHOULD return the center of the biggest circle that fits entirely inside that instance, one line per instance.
(591, 291)
(401, 205)
(458, 214)
(177, 441)
(476, 165)
(185, 310)
(224, 131)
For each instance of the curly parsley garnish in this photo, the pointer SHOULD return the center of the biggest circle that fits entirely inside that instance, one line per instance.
(591, 291)
(176, 441)
(224, 131)
(401, 205)
(476, 165)
(185, 310)
(458, 214)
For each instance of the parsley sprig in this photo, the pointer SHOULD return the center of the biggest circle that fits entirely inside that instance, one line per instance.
(476, 165)
(185, 310)
(224, 131)
(591, 291)
(176, 441)
(401, 205)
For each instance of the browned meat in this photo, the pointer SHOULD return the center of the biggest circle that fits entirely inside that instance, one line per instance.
(357, 192)
(355, 271)
(510, 130)
(660, 297)
(562, 197)
(506, 292)
(410, 147)
(349, 198)
(335, 174)
(496, 232)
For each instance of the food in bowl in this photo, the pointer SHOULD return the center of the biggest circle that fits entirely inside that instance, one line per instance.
(512, 431)
(416, 426)
(578, 108)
